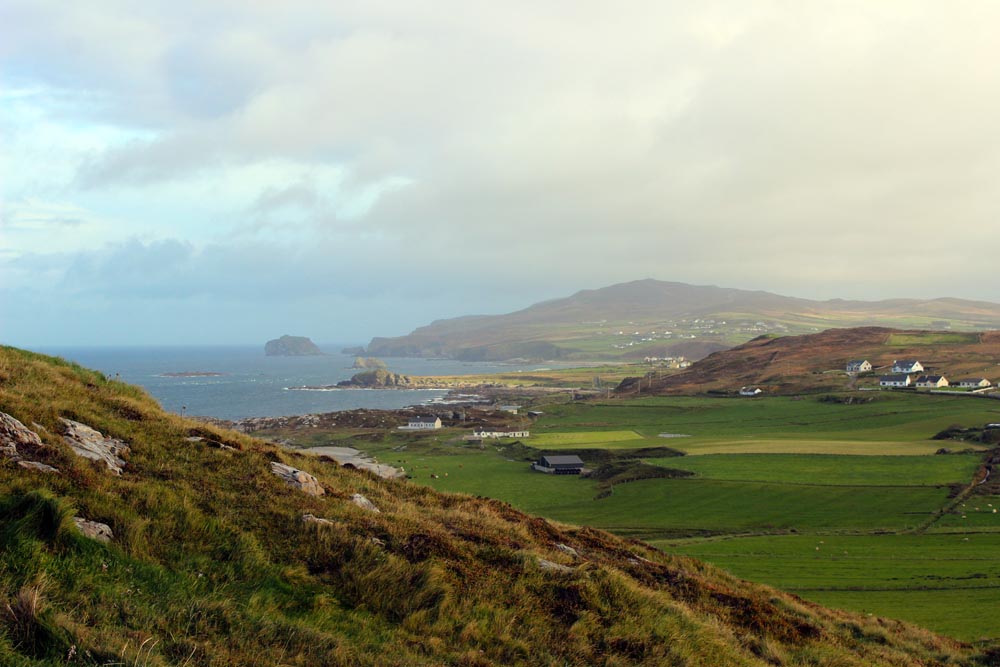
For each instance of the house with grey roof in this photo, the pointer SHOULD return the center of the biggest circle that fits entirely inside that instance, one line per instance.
(897, 380)
(859, 366)
(931, 381)
(974, 383)
(907, 366)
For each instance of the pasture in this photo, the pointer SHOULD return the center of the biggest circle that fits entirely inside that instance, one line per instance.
(844, 504)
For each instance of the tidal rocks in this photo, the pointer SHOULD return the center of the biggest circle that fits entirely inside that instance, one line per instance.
(291, 346)
(91, 444)
(298, 479)
(378, 377)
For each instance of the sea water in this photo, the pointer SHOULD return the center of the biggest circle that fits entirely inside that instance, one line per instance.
(251, 384)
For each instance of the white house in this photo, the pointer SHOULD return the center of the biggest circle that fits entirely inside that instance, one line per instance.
(907, 366)
(932, 381)
(894, 381)
(859, 366)
(750, 391)
(423, 423)
(480, 435)
(974, 383)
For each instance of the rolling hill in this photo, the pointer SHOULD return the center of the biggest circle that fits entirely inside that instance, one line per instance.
(195, 553)
(810, 362)
(656, 318)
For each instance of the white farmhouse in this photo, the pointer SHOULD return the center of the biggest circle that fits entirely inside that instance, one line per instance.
(423, 423)
(907, 366)
(751, 391)
(974, 383)
(898, 380)
(932, 381)
(859, 366)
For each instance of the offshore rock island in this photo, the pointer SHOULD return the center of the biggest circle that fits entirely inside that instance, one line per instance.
(291, 346)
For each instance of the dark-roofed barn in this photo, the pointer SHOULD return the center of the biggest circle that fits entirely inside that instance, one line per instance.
(559, 465)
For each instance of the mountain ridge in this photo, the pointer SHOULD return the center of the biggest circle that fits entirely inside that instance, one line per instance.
(583, 325)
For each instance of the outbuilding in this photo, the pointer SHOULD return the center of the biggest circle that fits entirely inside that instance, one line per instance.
(559, 464)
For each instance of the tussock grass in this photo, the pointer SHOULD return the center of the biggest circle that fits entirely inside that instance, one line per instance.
(211, 565)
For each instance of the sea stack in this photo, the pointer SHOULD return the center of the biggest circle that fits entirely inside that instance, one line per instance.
(291, 346)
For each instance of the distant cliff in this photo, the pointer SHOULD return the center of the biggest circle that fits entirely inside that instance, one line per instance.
(291, 346)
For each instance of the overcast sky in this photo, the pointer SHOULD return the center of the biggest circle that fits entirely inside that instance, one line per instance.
(211, 172)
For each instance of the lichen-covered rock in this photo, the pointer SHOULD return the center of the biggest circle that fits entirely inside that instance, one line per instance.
(91, 444)
(553, 567)
(14, 434)
(364, 503)
(35, 465)
(94, 529)
(298, 479)
(312, 518)
(567, 550)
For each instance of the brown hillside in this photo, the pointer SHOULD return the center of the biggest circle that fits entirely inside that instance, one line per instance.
(791, 364)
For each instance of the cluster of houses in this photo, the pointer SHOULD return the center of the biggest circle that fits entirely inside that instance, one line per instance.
(903, 371)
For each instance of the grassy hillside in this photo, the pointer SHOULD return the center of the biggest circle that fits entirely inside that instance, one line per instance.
(212, 564)
(656, 318)
(792, 364)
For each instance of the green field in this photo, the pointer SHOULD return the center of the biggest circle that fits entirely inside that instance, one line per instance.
(937, 338)
(948, 583)
(774, 480)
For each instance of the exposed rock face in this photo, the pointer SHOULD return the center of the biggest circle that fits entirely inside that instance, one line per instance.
(35, 465)
(553, 567)
(312, 518)
(14, 434)
(352, 458)
(567, 550)
(299, 479)
(90, 444)
(363, 363)
(378, 377)
(94, 529)
(291, 346)
(364, 503)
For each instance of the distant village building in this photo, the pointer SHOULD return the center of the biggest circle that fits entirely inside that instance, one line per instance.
(751, 391)
(974, 383)
(907, 366)
(559, 465)
(483, 434)
(859, 366)
(932, 381)
(423, 423)
(898, 380)
(512, 409)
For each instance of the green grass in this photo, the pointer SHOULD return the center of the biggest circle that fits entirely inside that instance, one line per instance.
(837, 470)
(932, 338)
(891, 424)
(945, 582)
(588, 440)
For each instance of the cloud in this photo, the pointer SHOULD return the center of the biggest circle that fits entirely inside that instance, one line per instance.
(509, 151)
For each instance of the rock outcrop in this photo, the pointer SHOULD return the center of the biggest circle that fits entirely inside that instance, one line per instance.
(376, 378)
(364, 503)
(91, 444)
(35, 465)
(14, 434)
(94, 529)
(291, 346)
(367, 363)
(298, 479)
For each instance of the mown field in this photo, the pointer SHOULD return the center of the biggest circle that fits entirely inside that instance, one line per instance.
(847, 505)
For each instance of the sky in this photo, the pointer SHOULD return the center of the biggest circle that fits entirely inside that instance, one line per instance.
(225, 172)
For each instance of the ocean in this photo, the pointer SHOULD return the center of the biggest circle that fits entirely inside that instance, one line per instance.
(251, 384)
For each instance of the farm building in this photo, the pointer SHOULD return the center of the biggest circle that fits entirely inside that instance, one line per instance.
(751, 391)
(932, 381)
(907, 366)
(974, 383)
(559, 465)
(898, 380)
(420, 423)
(859, 366)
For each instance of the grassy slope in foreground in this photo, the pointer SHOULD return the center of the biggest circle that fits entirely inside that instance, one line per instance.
(211, 564)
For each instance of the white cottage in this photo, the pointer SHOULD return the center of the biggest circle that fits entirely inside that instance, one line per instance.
(907, 366)
(859, 366)
(421, 423)
(932, 381)
(899, 380)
